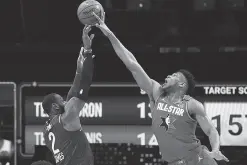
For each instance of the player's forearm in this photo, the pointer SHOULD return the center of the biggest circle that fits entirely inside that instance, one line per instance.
(124, 54)
(75, 86)
(82, 80)
(142, 79)
(214, 139)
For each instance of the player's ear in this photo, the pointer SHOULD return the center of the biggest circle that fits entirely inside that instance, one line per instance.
(182, 84)
(55, 106)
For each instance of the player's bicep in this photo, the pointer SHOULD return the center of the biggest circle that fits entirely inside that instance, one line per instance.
(202, 118)
(205, 124)
(150, 86)
(72, 109)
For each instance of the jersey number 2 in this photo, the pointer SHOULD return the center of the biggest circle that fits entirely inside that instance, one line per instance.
(53, 139)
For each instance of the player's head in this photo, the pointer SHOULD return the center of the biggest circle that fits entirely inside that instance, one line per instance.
(181, 80)
(41, 162)
(53, 104)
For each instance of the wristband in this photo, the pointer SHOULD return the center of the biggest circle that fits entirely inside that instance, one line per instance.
(87, 50)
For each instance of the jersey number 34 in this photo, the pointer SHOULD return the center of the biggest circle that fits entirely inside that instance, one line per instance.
(53, 139)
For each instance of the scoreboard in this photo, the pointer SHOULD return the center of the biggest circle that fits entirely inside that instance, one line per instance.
(119, 113)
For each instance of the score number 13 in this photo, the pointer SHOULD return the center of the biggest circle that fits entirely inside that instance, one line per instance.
(142, 107)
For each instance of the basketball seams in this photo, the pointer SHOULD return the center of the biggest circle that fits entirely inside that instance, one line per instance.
(88, 7)
(85, 10)
(89, 16)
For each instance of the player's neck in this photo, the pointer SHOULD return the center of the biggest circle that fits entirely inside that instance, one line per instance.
(52, 116)
(175, 96)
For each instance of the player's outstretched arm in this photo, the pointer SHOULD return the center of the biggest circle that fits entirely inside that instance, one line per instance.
(197, 108)
(141, 77)
(78, 93)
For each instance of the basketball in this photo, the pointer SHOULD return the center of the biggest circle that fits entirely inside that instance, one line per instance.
(86, 9)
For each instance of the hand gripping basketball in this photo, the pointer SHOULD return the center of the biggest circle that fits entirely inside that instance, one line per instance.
(101, 24)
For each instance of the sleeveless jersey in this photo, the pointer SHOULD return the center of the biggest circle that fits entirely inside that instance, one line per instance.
(68, 147)
(174, 128)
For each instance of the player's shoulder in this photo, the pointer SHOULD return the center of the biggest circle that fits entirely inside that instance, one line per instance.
(191, 100)
(156, 91)
(195, 106)
(74, 103)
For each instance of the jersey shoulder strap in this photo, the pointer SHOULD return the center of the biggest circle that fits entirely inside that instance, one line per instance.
(55, 121)
(187, 98)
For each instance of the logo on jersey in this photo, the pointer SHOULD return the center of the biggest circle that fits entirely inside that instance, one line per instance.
(181, 162)
(199, 158)
(168, 122)
(59, 157)
(170, 108)
(48, 127)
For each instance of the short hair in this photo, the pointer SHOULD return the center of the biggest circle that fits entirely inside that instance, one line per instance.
(47, 102)
(41, 162)
(190, 79)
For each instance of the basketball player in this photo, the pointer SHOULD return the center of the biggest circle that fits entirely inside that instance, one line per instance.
(63, 132)
(174, 113)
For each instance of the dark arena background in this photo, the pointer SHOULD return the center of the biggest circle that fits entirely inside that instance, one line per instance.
(39, 45)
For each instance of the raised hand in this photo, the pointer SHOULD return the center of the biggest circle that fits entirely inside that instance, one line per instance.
(87, 41)
(218, 155)
(101, 24)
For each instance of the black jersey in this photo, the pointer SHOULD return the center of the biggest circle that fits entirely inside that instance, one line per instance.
(68, 147)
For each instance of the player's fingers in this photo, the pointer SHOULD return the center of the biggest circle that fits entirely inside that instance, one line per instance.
(88, 28)
(97, 17)
(91, 36)
(103, 17)
(84, 28)
(80, 54)
(97, 25)
(84, 32)
(224, 158)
